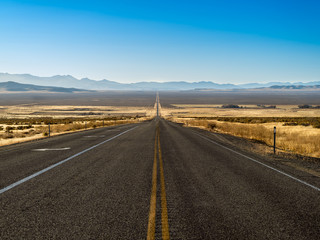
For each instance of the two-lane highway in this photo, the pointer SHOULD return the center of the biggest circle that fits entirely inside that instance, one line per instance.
(154, 180)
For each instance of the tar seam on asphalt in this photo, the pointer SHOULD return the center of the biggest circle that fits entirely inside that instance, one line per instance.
(163, 198)
(59, 163)
(263, 164)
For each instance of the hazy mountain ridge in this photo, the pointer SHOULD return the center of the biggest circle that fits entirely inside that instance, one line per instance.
(11, 86)
(295, 87)
(67, 81)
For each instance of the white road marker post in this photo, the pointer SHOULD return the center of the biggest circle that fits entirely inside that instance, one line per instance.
(49, 129)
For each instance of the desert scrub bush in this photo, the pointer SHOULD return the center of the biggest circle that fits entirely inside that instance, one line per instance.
(316, 125)
(290, 124)
(264, 106)
(212, 126)
(230, 106)
(31, 132)
(6, 135)
(24, 127)
(304, 106)
(9, 129)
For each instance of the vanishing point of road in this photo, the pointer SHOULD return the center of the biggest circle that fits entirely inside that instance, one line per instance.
(152, 180)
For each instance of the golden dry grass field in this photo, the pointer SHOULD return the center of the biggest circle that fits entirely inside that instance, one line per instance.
(19, 123)
(71, 111)
(297, 129)
(215, 110)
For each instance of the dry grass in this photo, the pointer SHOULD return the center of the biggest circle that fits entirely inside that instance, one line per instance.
(10, 141)
(304, 140)
(40, 131)
(214, 110)
(255, 122)
(56, 111)
(27, 122)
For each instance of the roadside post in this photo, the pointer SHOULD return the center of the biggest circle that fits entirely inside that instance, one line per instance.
(49, 129)
(85, 125)
(274, 139)
(102, 122)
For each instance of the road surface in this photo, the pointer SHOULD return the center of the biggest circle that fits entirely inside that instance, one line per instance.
(153, 180)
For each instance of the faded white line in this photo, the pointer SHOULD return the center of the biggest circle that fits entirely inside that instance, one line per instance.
(50, 149)
(95, 136)
(263, 164)
(59, 163)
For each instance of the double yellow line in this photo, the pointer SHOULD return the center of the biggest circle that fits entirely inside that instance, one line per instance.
(163, 198)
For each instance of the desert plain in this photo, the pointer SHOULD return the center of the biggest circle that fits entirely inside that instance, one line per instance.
(246, 114)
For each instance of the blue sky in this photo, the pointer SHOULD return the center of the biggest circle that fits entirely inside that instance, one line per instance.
(130, 41)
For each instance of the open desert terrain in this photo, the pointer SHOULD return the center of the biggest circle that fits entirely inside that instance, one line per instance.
(25, 117)
(296, 115)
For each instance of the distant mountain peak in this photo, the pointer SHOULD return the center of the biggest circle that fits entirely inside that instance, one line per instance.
(63, 76)
(85, 79)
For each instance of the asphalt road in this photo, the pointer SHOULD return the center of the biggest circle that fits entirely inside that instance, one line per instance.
(151, 180)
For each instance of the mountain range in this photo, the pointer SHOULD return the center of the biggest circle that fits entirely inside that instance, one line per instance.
(19, 87)
(67, 81)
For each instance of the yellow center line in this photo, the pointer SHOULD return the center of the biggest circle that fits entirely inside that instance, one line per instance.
(164, 211)
(163, 198)
(153, 201)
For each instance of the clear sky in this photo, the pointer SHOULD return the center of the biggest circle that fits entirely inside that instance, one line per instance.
(169, 40)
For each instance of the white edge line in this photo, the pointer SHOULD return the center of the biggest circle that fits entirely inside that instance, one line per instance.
(263, 164)
(50, 149)
(59, 163)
